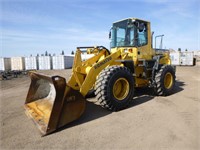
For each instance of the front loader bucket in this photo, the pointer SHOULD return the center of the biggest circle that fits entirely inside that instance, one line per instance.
(51, 103)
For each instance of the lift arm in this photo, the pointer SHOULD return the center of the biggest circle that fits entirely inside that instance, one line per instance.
(84, 73)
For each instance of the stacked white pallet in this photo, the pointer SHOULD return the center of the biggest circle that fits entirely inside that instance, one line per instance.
(187, 59)
(17, 63)
(62, 62)
(31, 63)
(86, 56)
(44, 63)
(196, 53)
(69, 61)
(5, 64)
(175, 58)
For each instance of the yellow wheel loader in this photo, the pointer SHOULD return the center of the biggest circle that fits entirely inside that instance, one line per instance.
(132, 62)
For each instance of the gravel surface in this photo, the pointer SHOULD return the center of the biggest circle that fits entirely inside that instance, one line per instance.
(150, 123)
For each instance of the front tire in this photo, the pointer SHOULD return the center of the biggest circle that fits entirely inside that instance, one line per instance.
(165, 80)
(114, 88)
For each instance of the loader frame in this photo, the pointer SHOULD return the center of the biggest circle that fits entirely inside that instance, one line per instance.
(85, 73)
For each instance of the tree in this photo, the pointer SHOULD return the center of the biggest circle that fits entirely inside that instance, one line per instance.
(49, 54)
(46, 53)
(186, 50)
(37, 55)
(72, 52)
(63, 53)
(179, 49)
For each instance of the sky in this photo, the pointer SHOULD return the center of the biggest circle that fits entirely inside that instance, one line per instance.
(31, 27)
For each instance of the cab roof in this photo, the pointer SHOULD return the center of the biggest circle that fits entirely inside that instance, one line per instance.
(132, 19)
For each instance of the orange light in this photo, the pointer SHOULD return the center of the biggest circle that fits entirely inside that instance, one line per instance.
(130, 50)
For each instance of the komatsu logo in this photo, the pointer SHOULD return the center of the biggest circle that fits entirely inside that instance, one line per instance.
(102, 62)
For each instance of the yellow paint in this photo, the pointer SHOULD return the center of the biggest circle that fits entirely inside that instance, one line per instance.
(40, 110)
(168, 80)
(121, 89)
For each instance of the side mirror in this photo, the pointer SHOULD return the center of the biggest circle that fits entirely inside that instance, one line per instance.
(109, 34)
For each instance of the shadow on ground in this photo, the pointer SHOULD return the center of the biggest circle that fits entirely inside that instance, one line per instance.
(178, 87)
(94, 111)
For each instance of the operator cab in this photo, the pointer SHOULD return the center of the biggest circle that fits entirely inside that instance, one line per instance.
(129, 33)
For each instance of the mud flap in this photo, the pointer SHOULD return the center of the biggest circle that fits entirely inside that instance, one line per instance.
(51, 103)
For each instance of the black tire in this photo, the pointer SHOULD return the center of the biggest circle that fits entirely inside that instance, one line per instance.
(90, 94)
(162, 89)
(105, 83)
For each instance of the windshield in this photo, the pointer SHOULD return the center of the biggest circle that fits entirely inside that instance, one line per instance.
(125, 33)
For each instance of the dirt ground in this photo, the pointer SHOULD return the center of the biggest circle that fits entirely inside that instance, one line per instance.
(150, 123)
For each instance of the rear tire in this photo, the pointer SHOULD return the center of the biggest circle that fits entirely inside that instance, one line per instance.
(114, 88)
(165, 80)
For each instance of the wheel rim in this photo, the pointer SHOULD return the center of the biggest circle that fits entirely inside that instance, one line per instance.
(121, 89)
(168, 80)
